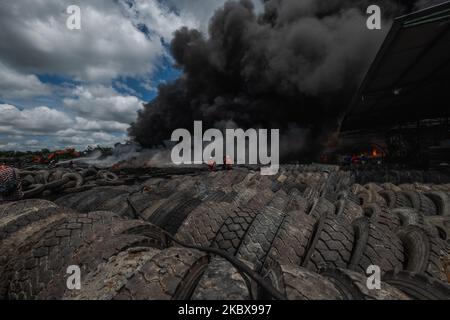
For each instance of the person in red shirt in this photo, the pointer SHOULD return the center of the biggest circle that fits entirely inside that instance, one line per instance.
(227, 163)
(212, 164)
(10, 185)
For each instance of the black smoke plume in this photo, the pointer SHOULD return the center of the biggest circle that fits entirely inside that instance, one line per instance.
(294, 67)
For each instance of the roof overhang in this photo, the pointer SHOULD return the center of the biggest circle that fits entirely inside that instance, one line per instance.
(409, 79)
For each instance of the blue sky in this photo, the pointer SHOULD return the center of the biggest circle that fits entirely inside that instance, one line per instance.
(62, 87)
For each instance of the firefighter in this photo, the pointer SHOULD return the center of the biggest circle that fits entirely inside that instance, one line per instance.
(10, 185)
(212, 164)
(227, 163)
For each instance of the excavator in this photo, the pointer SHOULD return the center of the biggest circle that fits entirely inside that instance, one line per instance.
(56, 156)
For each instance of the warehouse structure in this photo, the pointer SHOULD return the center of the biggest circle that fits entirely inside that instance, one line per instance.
(402, 107)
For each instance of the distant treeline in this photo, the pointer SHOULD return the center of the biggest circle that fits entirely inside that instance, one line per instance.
(43, 152)
(21, 154)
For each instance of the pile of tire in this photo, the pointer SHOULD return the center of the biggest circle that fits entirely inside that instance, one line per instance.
(388, 174)
(308, 232)
(59, 181)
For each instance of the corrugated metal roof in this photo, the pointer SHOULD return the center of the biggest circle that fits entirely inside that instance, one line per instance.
(410, 76)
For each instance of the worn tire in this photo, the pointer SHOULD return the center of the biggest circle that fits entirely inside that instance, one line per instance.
(38, 269)
(26, 236)
(172, 274)
(409, 217)
(322, 207)
(395, 199)
(375, 245)
(353, 286)
(90, 200)
(441, 201)
(421, 203)
(108, 279)
(418, 286)
(442, 226)
(24, 206)
(233, 230)
(33, 190)
(172, 221)
(332, 244)
(298, 283)
(291, 242)
(202, 224)
(11, 224)
(222, 281)
(260, 235)
(368, 196)
(349, 209)
(235, 227)
(382, 216)
(424, 253)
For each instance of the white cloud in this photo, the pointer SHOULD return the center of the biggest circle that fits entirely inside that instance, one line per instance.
(83, 124)
(32, 142)
(110, 47)
(14, 85)
(36, 128)
(159, 17)
(35, 38)
(75, 140)
(83, 139)
(39, 119)
(9, 146)
(103, 103)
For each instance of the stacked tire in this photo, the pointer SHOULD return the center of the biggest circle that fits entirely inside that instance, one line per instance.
(307, 233)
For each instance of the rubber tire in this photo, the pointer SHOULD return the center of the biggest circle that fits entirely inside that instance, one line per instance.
(442, 202)
(291, 242)
(34, 190)
(261, 233)
(172, 221)
(172, 274)
(441, 224)
(409, 217)
(38, 269)
(106, 281)
(349, 209)
(203, 223)
(353, 286)
(424, 252)
(222, 281)
(11, 224)
(375, 245)
(23, 237)
(74, 177)
(322, 207)
(298, 283)
(395, 199)
(332, 244)
(421, 203)
(234, 228)
(418, 286)
(382, 216)
(230, 235)
(24, 206)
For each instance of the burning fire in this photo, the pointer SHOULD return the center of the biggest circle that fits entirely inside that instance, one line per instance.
(376, 153)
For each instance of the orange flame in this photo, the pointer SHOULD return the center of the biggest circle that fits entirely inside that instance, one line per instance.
(376, 153)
